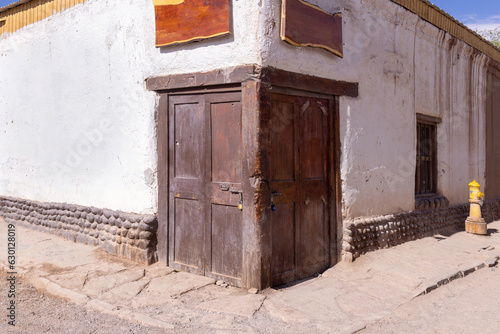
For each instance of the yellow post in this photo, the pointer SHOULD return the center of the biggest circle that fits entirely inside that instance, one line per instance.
(475, 222)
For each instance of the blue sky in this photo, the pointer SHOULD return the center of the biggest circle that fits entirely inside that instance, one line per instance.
(6, 2)
(477, 14)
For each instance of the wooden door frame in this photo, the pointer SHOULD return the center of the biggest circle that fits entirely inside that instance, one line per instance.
(256, 85)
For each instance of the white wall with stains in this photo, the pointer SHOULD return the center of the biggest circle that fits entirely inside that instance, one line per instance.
(77, 124)
(404, 65)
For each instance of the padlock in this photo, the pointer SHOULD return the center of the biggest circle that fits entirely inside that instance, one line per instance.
(273, 207)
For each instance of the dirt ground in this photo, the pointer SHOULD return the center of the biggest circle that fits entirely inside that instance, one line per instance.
(468, 305)
(37, 312)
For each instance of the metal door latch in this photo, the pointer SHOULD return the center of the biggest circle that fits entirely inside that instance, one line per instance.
(240, 192)
(227, 187)
(235, 191)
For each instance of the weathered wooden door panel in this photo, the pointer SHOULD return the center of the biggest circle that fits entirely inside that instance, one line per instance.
(283, 243)
(314, 186)
(226, 141)
(313, 248)
(282, 142)
(186, 169)
(226, 241)
(224, 186)
(188, 236)
(299, 168)
(188, 140)
(284, 175)
(205, 222)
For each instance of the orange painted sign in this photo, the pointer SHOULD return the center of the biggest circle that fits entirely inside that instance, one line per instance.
(183, 21)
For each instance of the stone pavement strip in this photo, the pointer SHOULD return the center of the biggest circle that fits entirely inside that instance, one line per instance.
(344, 299)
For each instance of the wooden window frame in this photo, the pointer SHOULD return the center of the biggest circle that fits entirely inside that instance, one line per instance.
(431, 123)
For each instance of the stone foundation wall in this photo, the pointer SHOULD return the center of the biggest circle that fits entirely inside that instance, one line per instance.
(367, 234)
(128, 235)
(133, 236)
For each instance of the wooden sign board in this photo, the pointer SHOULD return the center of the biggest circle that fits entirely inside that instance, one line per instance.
(303, 24)
(182, 21)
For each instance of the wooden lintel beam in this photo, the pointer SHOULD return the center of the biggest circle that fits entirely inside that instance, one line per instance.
(282, 78)
(200, 79)
(269, 75)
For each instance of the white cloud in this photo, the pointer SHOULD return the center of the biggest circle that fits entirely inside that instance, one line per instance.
(489, 23)
(483, 26)
(468, 17)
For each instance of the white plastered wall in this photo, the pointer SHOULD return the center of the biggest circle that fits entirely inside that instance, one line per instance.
(77, 124)
(404, 65)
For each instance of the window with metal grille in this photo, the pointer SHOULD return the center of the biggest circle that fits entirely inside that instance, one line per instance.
(426, 166)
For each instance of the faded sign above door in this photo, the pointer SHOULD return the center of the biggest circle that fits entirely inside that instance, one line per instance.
(303, 24)
(182, 21)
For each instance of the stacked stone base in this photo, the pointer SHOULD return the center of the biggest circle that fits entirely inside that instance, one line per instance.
(491, 210)
(128, 235)
(133, 236)
(367, 234)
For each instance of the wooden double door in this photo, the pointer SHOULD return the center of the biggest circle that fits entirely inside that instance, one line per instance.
(301, 170)
(205, 188)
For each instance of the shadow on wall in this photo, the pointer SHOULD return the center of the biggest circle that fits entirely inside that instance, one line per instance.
(189, 46)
